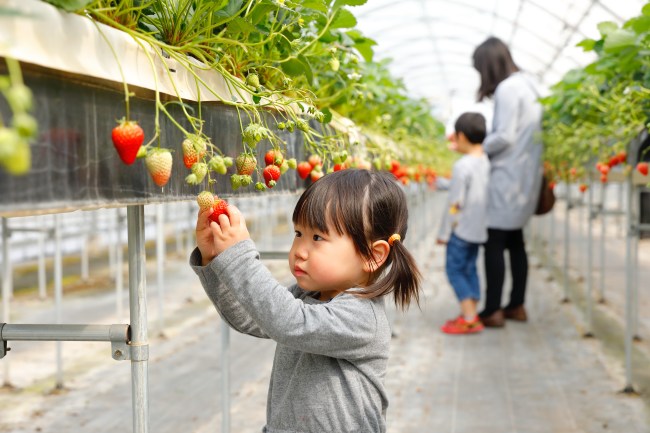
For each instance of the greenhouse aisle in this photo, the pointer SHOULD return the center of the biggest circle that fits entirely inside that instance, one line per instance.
(540, 376)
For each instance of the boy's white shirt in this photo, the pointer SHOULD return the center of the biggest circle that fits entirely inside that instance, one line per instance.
(466, 211)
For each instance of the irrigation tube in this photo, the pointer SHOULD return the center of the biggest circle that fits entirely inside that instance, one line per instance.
(138, 312)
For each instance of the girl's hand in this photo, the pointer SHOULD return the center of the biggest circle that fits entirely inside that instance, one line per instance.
(204, 237)
(230, 230)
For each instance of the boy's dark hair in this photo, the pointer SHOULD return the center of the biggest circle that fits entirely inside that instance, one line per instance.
(472, 125)
(368, 206)
(493, 61)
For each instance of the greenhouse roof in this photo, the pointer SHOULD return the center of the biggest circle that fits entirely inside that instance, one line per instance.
(431, 41)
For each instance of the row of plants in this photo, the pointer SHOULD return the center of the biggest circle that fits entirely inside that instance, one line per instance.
(594, 113)
(302, 61)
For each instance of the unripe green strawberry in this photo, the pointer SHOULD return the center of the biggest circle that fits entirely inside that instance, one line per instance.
(19, 97)
(302, 125)
(127, 138)
(235, 181)
(281, 126)
(260, 186)
(253, 80)
(284, 167)
(159, 165)
(245, 163)
(246, 180)
(228, 161)
(218, 164)
(200, 169)
(334, 64)
(292, 163)
(9, 139)
(190, 179)
(290, 125)
(25, 124)
(205, 200)
(19, 160)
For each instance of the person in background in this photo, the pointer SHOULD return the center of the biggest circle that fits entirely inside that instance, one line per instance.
(463, 228)
(331, 328)
(514, 148)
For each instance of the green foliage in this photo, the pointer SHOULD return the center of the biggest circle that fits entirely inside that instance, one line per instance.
(595, 112)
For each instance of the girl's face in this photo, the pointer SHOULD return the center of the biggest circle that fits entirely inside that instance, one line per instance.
(327, 263)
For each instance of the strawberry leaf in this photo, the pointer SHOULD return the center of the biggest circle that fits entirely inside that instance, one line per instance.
(343, 19)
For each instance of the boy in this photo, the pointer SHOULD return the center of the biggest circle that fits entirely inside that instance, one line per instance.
(464, 225)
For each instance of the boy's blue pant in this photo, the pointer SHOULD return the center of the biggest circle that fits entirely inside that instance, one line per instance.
(461, 268)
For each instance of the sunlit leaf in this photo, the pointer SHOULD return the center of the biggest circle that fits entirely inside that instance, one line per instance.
(343, 19)
(618, 39)
(606, 27)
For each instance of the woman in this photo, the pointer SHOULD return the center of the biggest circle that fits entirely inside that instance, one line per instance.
(514, 148)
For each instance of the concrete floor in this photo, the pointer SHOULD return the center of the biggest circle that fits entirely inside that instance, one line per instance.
(541, 376)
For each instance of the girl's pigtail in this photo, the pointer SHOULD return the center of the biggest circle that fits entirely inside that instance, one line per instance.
(404, 276)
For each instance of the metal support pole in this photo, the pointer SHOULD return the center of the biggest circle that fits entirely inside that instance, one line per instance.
(160, 264)
(6, 287)
(631, 231)
(119, 266)
(58, 296)
(190, 230)
(567, 234)
(138, 311)
(85, 274)
(225, 377)
(42, 277)
(603, 234)
(590, 261)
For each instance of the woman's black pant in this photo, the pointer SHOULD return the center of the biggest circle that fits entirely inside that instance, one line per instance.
(495, 268)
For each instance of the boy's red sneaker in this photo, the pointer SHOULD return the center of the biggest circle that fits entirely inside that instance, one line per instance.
(462, 326)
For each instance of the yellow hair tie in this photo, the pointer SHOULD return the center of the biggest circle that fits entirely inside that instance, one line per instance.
(394, 238)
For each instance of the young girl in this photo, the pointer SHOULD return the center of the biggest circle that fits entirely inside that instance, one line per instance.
(331, 328)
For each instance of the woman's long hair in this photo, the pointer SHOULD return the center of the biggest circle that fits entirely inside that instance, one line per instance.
(493, 61)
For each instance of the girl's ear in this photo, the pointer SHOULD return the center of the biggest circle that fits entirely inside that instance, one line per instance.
(380, 250)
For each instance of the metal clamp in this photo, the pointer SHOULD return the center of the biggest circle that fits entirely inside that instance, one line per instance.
(119, 336)
(3, 343)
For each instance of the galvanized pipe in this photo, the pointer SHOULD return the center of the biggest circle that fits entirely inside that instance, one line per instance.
(628, 294)
(58, 332)
(138, 312)
(225, 377)
(58, 296)
(603, 234)
(160, 265)
(590, 260)
(7, 282)
(567, 234)
(119, 267)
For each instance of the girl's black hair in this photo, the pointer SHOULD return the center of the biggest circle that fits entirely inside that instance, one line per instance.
(368, 206)
(494, 63)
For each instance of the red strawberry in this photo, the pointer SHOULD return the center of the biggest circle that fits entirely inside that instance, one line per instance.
(394, 166)
(159, 164)
(220, 207)
(271, 175)
(274, 157)
(622, 156)
(642, 168)
(314, 160)
(245, 164)
(583, 187)
(604, 169)
(127, 139)
(205, 200)
(303, 169)
(603, 178)
(194, 148)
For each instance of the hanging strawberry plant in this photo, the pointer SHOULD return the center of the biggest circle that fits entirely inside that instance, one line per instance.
(593, 113)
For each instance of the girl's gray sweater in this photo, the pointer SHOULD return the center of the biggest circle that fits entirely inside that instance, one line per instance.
(330, 358)
(514, 148)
